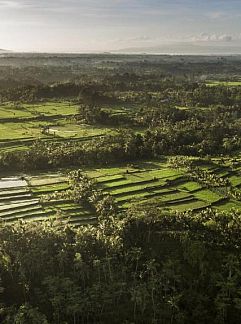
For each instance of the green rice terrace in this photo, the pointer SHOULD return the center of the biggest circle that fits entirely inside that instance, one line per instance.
(22, 124)
(20, 198)
(157, 183)
(159, 124)
(224, 83)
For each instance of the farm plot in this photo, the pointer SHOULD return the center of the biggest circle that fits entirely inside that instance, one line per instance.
(17, 202)
(29, 111)
(20, 199)
(141, 183)
(66, 211)
(228, 205)
(235, 180)
(155, 182)
(63, 108)
(223, 83)
(22, 124)
(8, 111)
(55, 128)
(71, 130)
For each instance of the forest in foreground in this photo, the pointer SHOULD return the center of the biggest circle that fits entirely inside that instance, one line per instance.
(120, 189)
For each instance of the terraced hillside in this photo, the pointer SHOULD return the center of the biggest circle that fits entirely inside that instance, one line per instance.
(143, 183)
(17, 201)
(167, 187)
(20, 198)
(65, 210)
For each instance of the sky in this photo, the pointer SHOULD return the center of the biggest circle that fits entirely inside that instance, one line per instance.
(112, 25)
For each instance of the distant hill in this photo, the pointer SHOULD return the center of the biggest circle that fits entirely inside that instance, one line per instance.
(185, 48)
(4, 51)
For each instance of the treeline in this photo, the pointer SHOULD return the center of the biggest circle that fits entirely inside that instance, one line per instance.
(83, 190)
(160, 113)
(88, 93)
(150, 90)
(143, 267)
(125, 145)
(205, 96)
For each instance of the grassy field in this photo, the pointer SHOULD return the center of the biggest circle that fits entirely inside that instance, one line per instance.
(223, 83)
(22, 124)
(10, 110)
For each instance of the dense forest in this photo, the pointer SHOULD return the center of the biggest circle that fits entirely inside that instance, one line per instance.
(134, 268)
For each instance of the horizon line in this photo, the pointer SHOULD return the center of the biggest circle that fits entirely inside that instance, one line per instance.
(13, 52)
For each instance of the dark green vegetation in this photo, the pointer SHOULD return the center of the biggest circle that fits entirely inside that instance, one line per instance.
(120, 189)
(145, 268)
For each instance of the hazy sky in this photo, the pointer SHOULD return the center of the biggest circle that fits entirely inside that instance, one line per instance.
(103, 25)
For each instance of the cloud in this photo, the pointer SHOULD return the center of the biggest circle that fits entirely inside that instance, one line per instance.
(225, 38)
(205, 37)
(141, 38)
(217, 15)
(118, 23)
(9, 4)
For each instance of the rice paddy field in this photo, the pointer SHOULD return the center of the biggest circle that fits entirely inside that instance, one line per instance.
(156, 182)
(20, 199)
(63, 210)
(22, 124)
(223, 83)
(143, 183)
(168, 188)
